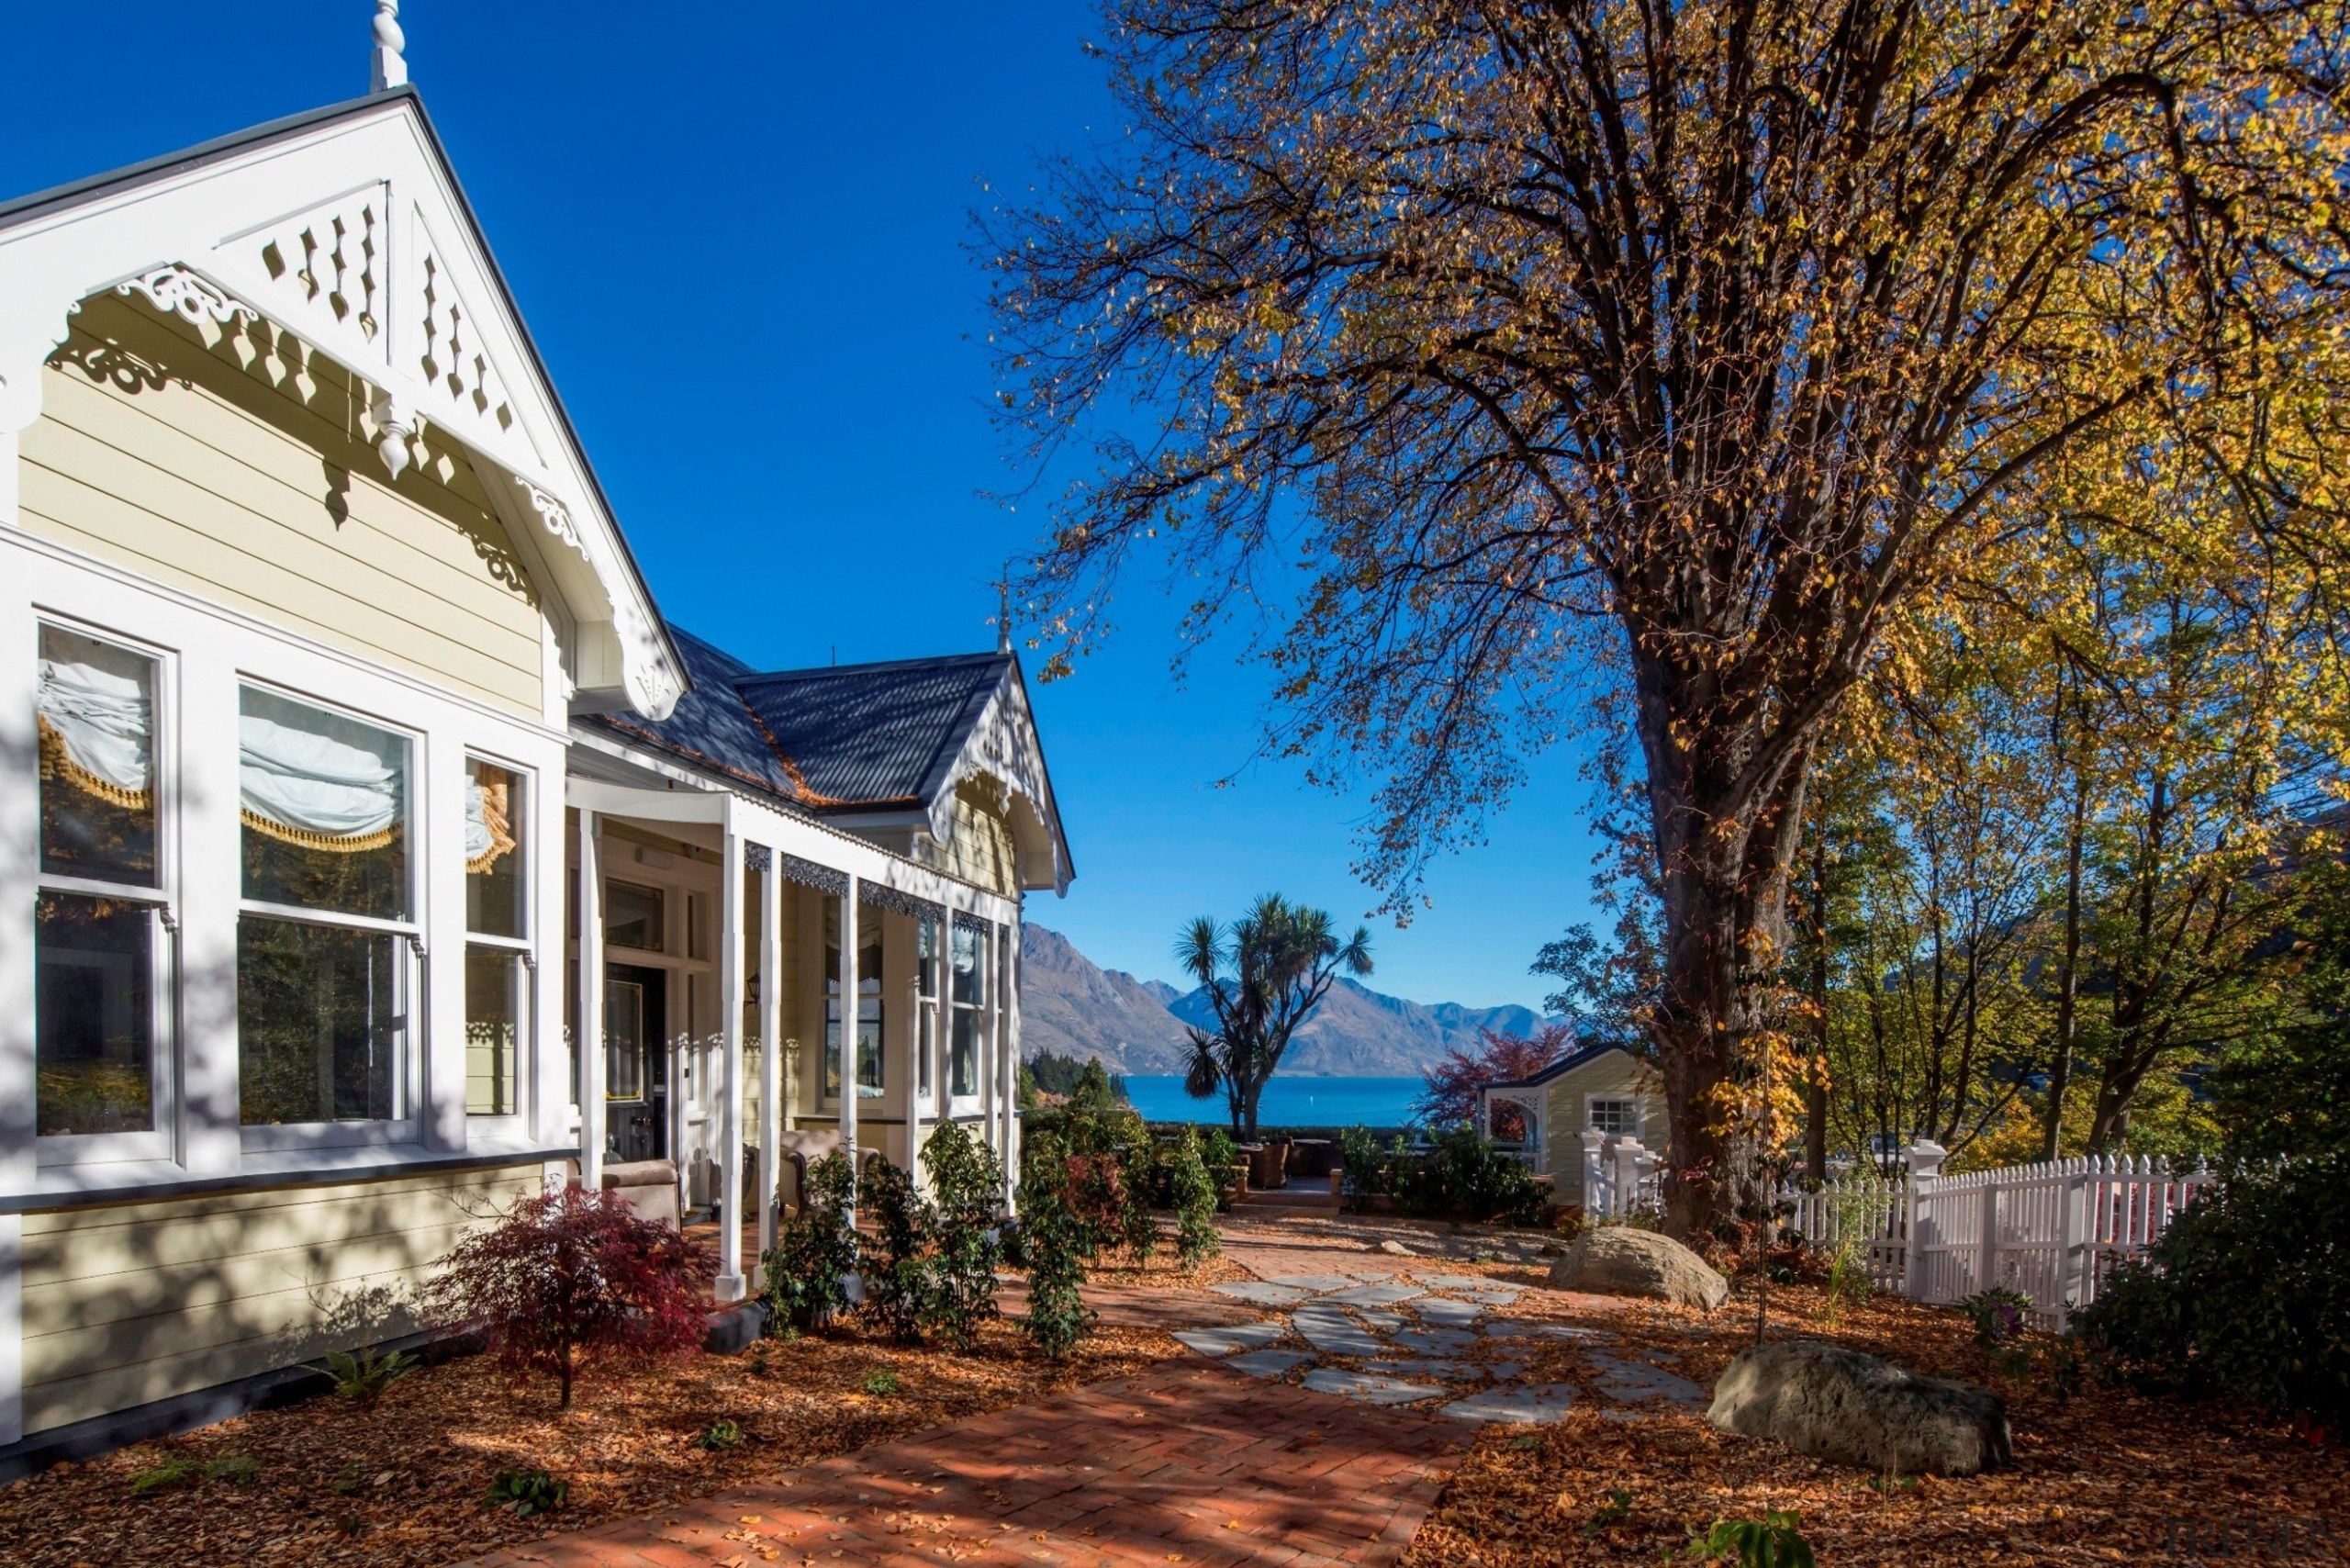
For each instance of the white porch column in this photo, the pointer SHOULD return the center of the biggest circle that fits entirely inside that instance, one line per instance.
(591, 1002)
(913, 1065)
(848, 1011)
(729, 1286)
(770, 1043)
(1595, 1180)
(1925, 1159)
(1011, 1061)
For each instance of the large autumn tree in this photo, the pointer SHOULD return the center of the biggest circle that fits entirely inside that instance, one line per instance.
(1492, 350)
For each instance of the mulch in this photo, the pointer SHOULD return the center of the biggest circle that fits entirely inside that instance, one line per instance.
(2107, 1475)
(403, 1485)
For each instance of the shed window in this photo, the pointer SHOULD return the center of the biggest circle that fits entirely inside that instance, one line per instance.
(1617, 1118)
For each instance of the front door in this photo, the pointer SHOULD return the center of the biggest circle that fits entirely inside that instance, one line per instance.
(636, 1077)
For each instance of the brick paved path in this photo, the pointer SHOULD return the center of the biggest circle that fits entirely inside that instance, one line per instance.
(1188, 1463)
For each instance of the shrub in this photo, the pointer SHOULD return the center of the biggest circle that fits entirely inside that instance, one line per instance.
(968, 1181)
(1775, 1540)
(722, 1435)
(880, 1380)
(574, 1279)
(1095, 1199)
(1055, 1243)
(1359, 1157)
(1138, 1179)
(1195, 1237)
(1998, 1315)
(806, 1271)
(2244, 1296)
(523, 1492)
(1463, 1176)
(363, 1378)
(900, 1275)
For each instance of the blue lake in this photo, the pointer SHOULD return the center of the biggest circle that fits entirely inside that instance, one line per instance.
(1287, 1101)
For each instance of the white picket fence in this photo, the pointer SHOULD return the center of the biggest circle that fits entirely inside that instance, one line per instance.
(2051, 1232)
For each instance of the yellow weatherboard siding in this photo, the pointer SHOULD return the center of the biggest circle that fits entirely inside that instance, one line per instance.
(1615, 1076)
(227, 462)
(982, 852)
(141, 1302)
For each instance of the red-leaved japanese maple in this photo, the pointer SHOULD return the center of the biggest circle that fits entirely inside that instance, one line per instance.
(1450, 1095)
(569, 1279)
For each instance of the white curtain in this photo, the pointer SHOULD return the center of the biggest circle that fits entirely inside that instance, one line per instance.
(98, 724)
(313, 790)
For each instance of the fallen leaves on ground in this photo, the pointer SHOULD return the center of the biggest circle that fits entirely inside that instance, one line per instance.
(402, 1486)
(2104, 1477)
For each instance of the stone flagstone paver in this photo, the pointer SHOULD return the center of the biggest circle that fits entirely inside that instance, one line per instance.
(1546, 1401)
(1370, 1387)
(1225, 1341)
(1183, 1464)
(1262, 1293)
(1268, 1363)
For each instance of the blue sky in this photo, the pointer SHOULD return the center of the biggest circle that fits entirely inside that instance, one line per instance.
(739, 234)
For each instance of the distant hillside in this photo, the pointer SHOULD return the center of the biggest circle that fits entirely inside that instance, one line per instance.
(1070, 1005)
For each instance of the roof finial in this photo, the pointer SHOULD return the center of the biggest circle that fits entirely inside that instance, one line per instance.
(1004, 611)
(389, 68)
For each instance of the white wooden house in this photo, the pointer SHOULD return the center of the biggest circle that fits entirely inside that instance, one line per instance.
(1599, 1088)
(349, 772)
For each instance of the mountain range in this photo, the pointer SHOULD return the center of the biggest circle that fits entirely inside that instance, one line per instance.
(1072, 1006)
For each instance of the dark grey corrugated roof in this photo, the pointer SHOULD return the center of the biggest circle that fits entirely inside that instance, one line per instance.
(1590, 1050)
(879, 733)
(842, 738)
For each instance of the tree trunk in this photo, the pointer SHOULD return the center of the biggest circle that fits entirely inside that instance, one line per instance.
(1815, 1107)
(2068, 979)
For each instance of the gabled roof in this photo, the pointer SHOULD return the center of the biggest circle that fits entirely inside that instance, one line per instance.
(1582, 1056)
(879, 734)
(347, 226)
(869, 740)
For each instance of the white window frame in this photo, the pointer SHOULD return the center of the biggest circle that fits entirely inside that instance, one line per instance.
(516, 1122)
(962, 1105)
(161, 1140)
(406, 1123)
(1628, 1104)
(825, 1099)
(929, 1007)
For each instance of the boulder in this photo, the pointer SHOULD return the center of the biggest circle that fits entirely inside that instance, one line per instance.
(1617, 1260)
(1839, 1405)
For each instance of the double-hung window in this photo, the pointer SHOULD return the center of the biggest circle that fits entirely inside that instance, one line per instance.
(498, 936)
(968, 947)
(868, 1004)
(102, 1007)
(327, 935)
(926, 966)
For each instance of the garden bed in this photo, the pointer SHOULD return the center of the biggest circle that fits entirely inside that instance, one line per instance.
(2105, 1476)
(402, 1486)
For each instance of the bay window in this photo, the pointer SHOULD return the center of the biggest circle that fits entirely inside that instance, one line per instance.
(327, 932)
(101, 1005)
(498, 930)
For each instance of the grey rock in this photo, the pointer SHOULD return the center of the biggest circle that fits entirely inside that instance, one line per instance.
(1267, 1363)
(1839, 1405)
(1225, 1341)
(1395, 1250)
(1523, 1404)
(1370, 1386)
(1617, 1260)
